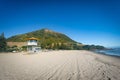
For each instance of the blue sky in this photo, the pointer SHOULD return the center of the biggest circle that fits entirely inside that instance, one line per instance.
(86, 21)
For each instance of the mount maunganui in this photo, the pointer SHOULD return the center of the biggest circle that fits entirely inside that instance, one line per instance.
(47, 39)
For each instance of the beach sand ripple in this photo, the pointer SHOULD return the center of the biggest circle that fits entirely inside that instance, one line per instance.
(59, 65)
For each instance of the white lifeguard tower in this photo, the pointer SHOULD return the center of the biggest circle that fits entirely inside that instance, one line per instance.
(32, 45)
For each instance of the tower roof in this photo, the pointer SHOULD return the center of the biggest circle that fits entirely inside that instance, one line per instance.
(32, 38)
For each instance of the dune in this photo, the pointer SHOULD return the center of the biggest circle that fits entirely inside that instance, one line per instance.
(59, 65)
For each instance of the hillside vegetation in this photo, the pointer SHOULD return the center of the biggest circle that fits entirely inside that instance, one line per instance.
(49, 39)
(43, 34)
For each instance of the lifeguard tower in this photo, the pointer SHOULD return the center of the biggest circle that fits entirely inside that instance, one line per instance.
(32, 45)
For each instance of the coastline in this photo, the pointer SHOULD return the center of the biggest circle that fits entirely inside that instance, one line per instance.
(59, 65)
(107, 54)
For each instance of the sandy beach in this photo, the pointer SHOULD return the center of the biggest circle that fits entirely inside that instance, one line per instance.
(59, 65)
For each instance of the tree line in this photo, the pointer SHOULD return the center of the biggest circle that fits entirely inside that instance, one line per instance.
(4, 47)
(72, 46)
(3, 43)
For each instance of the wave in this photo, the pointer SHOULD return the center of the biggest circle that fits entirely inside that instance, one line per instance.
(112, 52)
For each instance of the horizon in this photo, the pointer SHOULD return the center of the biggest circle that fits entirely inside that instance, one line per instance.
(88, 22)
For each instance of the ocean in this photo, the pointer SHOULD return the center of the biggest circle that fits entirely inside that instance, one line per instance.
(111, 52)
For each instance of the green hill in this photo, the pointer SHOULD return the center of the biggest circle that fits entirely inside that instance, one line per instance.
(47, 39)
(43, 34)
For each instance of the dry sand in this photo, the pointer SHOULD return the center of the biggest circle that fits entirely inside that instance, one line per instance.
(59, 65)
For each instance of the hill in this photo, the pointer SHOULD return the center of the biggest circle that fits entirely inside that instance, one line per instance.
(47, 39)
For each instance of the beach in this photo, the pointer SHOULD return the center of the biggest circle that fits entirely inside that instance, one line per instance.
(59, 65)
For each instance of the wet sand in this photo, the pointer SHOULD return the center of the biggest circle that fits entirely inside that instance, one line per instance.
(59, 65)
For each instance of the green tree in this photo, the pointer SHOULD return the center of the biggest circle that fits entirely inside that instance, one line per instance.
(86, 47)
(24, 48)
(3, 43)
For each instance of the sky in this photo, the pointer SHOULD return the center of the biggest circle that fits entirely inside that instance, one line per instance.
(86, 21)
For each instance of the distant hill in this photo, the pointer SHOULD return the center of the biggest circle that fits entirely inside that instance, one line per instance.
(47, 39)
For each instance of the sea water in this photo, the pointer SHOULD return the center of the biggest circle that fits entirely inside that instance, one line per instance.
(112, 51)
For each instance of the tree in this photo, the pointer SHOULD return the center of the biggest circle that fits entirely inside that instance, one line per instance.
(86, 47)
(24, 48)
(93, 47)
(3, 43)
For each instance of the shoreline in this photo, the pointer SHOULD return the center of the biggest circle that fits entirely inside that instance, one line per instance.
(103, 53)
